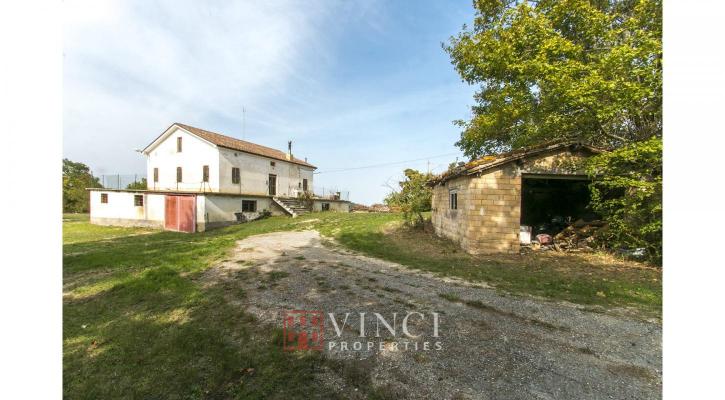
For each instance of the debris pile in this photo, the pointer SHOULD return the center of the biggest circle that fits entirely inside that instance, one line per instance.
(577, 237)
(373, 208)
(360, 208)
(379, 208)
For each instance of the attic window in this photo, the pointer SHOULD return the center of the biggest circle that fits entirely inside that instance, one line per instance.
(205, 174)
(272, 163)
(178, 174)
(156, 174)
(178, 144)
(235, 175)
(104, 198)
(138, 200)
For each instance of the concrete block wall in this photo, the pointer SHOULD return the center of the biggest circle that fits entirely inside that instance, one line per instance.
(489, 205)
(488, 215)
(335, 205)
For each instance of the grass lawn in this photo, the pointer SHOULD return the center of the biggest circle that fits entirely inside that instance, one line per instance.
(137, 323)
(593, 279)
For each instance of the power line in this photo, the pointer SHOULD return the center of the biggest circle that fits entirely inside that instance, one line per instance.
(385, 164)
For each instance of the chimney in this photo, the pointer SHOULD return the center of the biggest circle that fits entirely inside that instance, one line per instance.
(289, 150)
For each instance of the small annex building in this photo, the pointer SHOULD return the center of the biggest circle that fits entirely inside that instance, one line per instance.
(483, 204)
(198, 179)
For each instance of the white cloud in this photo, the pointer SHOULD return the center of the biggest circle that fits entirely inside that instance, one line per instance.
(132, 68)
(352, 83)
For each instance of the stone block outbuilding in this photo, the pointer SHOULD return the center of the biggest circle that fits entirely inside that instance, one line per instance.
(483, 204)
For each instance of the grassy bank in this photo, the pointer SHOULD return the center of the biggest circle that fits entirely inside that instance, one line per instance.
(138, 323)
(594, 279)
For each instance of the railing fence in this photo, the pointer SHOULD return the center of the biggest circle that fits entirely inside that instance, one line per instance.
(127, 181)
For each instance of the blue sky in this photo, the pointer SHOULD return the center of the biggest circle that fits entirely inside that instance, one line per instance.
(352, 83)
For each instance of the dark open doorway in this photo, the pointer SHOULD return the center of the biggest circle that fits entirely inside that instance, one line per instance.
(551, 203)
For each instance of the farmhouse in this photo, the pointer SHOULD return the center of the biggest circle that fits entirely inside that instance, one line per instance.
(197, 179)
(486, 203)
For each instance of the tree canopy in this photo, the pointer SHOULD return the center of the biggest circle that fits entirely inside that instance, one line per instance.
(140, 184)
(76, 178)
(589, 70)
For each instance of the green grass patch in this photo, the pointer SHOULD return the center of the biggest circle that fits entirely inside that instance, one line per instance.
(137, 325)
(591, 279)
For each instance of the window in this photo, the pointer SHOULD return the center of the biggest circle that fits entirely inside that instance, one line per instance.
(178, 144)
(249, 205)
(325, 206)
(304, 185)
(178, 174)
(272, 163)
(104, 198)
(156, 174)
(453, 200)
(138, 200)
(235, 175)
(205, 174)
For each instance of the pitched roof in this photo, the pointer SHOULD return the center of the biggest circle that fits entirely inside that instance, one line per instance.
(239, 145)
(495, 160)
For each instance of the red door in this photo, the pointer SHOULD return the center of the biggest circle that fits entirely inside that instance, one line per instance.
(180, 213)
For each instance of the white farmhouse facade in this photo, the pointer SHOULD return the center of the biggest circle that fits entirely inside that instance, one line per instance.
(197, 179)
(192, 159)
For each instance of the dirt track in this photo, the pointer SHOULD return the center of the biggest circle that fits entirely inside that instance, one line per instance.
(494, 346)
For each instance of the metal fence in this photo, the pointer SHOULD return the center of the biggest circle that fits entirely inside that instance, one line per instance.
(121, 181)
(127, 181)
(331, 193)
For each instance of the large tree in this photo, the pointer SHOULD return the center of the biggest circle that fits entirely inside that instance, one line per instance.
(76, 178)
(561, 69)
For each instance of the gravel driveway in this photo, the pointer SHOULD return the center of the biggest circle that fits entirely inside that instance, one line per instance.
(493, 345)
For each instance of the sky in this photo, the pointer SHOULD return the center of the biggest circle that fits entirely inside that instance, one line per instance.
(362, 88)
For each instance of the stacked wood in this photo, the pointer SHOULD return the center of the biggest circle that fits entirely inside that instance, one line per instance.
(579, 236)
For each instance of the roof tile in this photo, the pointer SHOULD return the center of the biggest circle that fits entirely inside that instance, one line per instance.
(241, 145)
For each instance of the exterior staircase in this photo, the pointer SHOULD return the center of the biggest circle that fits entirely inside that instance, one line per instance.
(292, 206)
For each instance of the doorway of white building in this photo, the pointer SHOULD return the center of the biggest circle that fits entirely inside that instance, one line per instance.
(272, 182)
(180, 213)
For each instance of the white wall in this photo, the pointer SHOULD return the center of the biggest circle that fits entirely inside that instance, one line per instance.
(121, 209)
(335, 206)
(220, 210)
(255, 171)
(195, 153)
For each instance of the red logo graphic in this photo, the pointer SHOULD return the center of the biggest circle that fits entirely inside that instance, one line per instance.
(304, 330)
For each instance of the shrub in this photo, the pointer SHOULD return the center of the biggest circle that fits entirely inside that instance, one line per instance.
(626, 190)
(414, 197)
